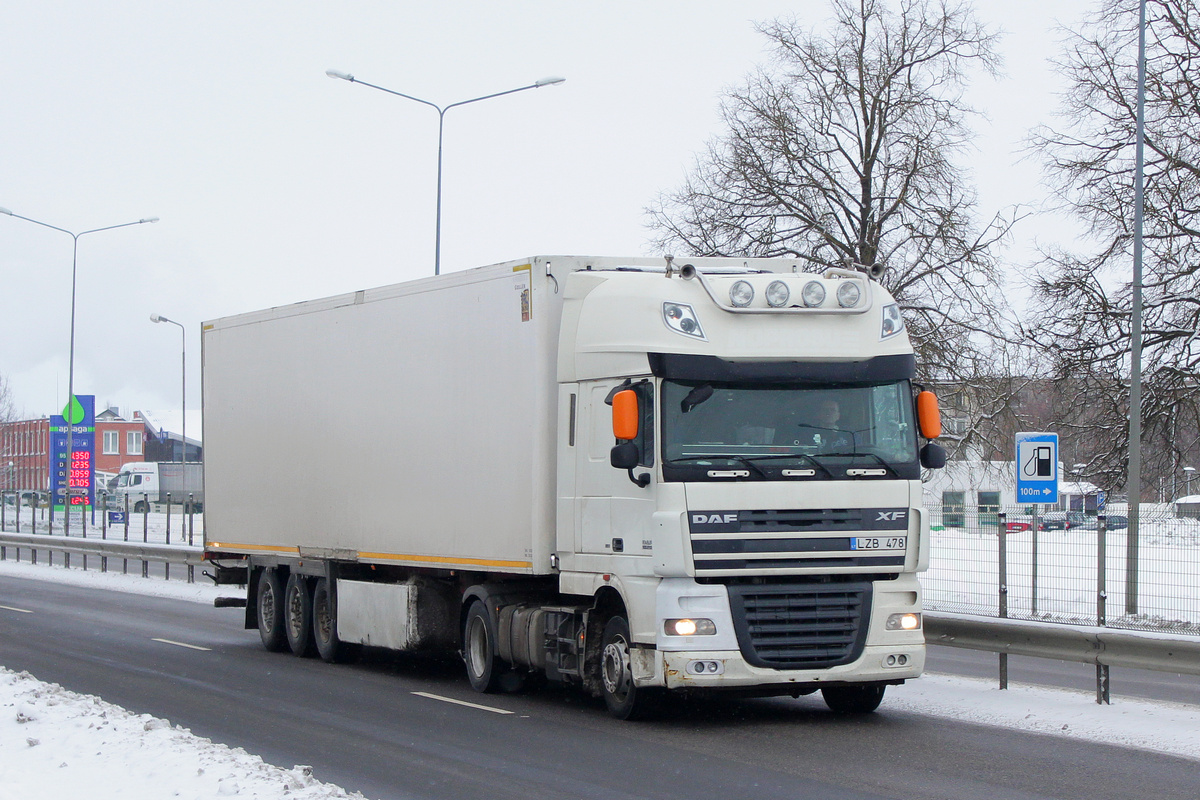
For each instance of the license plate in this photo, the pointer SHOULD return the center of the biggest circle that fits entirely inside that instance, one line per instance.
(879, 543)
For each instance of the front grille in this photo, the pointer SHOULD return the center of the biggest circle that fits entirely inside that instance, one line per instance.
(801, 626)
(760, 541)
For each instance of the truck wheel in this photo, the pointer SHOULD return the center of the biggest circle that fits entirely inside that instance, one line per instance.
(269, 604)
(139, 507)
(861, 699)
(297, 616)
(624, 700)
(330, 648)
(484, 667)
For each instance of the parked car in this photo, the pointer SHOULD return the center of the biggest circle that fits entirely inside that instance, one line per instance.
(28, 497)
(1062, 520)
(1116, 522)
(1051, 521)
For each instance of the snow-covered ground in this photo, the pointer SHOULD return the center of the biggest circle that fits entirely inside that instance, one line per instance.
(55, 743)
(1061, 583)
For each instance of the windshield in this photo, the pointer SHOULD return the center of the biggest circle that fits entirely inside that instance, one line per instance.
(715, 431)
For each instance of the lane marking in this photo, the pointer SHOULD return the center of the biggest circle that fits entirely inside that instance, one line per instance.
(182, 644)
(461, 703)
(20, 610)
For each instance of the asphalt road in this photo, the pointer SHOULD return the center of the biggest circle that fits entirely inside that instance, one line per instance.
(363, 726)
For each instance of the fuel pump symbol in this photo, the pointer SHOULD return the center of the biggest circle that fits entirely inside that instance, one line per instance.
(1039, 465)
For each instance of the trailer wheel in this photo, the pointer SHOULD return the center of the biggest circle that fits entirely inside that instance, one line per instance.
(861, 699)
(324, 627)
(623, 698)
(269, 605)
(484, 668)
(297, 616)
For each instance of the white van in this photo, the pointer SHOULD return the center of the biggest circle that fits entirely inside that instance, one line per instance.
(148, 482)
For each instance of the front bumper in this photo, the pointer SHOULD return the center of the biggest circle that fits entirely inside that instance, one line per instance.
(878, 663)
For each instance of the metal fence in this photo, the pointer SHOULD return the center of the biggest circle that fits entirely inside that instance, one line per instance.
(153, 535)
(1069, 568)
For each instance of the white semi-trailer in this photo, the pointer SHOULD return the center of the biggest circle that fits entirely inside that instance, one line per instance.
(631, 474)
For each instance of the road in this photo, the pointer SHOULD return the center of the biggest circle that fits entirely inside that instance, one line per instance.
(363, 726)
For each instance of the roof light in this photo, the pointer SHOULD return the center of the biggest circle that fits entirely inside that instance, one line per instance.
(778, 294)
(813, 294)
(741, 294)
(848, 294)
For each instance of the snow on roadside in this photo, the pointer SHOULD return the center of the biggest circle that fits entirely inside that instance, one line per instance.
(1162, 727)
(58, 744)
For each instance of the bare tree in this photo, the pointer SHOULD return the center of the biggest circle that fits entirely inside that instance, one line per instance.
(8, 411)
(1085, 304)
(842, 151)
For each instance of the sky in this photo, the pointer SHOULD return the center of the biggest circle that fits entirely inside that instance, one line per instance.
(275, 184)
(56, 743)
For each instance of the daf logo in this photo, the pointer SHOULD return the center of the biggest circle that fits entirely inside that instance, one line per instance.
(891, 515)
(713, 519)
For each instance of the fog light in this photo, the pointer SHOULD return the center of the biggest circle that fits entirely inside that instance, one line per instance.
(689, 627)
(903, 622)
(706, 668)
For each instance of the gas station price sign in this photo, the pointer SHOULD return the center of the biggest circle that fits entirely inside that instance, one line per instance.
(73, 476)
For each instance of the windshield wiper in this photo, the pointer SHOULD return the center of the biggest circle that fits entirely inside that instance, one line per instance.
(857, 453)
(740, 459)
(802, 456)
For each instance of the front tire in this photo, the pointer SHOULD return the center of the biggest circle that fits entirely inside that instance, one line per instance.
(269, 606)
(484, 667)
(297, 616)
(861, 699)
(623, 698)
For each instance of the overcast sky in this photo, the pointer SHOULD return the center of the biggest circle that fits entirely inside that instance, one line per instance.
(276, 184)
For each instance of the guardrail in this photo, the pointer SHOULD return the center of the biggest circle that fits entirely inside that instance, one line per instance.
(145, 552)
(1100, 646)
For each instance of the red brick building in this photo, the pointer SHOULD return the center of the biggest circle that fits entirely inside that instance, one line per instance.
(119, 441)
(25, 445)
(24, 454)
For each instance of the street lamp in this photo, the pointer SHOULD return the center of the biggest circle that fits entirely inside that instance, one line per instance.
(71, 359)
(183, 350)
(437, 246)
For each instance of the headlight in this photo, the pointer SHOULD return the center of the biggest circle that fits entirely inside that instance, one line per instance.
(848, 294)
(778, 294)
(903, 622)
(689, 627)
(813, 294)
(893, 323)
(741, 293)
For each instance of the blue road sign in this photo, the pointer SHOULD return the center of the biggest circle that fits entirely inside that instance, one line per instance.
(1037, 468)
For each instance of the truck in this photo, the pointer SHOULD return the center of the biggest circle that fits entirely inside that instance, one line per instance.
(143, 484)
(632, 475)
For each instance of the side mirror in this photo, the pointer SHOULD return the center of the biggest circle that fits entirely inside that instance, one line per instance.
(625, 455)
(625, 415)
(933, 456)
(929, 418)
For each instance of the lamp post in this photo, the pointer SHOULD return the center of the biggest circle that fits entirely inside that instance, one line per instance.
(437, 241)
(69, 415)
(183, 351)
